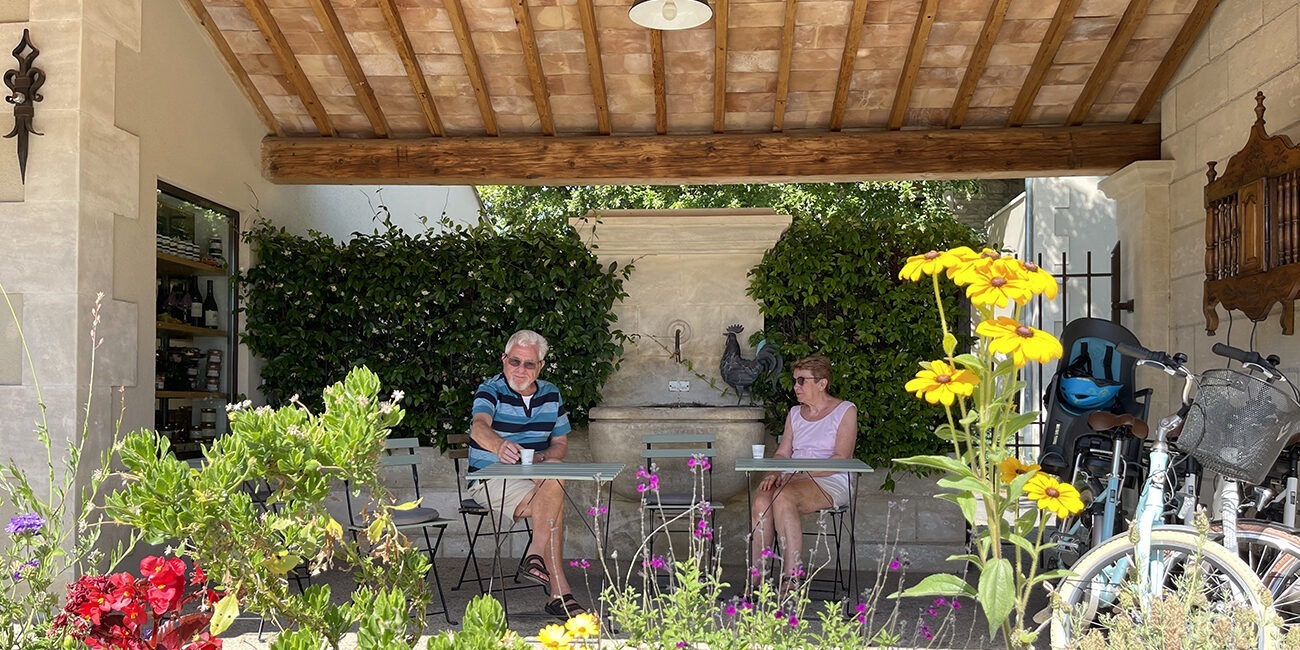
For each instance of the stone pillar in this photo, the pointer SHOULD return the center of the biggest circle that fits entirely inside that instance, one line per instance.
(1141, 195)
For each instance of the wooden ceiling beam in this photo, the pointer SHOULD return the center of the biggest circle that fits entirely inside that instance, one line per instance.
(920, 36)
(783, 65)
(338, 37)
(406, 52)
(721, 22)
(713, 158)
(978, 60)
(848, 62)
(533, 60)
(1196, 20)
(237, 71)
(289, 63)
(660, 81)
(1043, 61)
(470, 55)
(1105, 68)
(595, 66)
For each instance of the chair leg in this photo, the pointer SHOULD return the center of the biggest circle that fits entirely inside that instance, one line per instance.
(433, 568)
(471, 558)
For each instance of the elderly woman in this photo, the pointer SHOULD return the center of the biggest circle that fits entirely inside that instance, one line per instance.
(821, 426)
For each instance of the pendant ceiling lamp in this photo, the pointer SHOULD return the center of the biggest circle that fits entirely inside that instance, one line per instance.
(670, 14)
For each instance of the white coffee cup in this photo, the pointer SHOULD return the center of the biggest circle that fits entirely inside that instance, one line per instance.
(758, 450)
(526, 456)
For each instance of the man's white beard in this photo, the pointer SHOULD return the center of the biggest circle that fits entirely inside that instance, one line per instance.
(516, 387)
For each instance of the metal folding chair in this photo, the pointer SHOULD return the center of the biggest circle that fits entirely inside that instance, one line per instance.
(835, 531)
(458, 452)
(676, 449)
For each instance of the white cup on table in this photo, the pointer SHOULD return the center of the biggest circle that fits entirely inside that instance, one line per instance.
(526, 456)
(759, 450)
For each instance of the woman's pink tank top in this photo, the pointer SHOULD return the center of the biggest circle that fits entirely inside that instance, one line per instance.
(816, 439)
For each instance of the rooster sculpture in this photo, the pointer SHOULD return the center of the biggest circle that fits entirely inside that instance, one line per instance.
(741, 373)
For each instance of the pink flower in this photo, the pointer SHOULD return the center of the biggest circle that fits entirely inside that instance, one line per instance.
(597, 510)
(580, 564)
(731, 609)
(656, 562)
(895, 565)
(794, 621)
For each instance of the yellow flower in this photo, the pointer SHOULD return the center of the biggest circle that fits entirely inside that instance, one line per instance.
(942, 383)
(992, 285)
(1061, 499)
(1023, 343)
(554, 637)
(1012, 467)
(583, 626)
(932, 263)
(1038, 280)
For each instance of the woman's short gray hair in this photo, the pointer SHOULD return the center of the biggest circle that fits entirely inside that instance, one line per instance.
(528, 338)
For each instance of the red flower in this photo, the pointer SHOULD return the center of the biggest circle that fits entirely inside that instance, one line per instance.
(204, 642)
(157, 569)
(200, 576)
(163, 597)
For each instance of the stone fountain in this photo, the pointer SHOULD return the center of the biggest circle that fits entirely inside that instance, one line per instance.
(689, 283)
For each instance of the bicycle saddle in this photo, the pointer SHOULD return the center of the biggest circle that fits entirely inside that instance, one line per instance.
(1103, 421)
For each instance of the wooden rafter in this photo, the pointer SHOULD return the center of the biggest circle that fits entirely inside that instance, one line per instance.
(1128, 24)
(660, 81)
(461, 28)
(236, 69)
(595, 66)
(1173, 58)
(714, 158)
(536, 76)
(329, 22)
(920, 35)
(284, 54)
(406, 52)
(1043, 61)
(720, 26)
(783, 67)
(848, 61)
(979, 58)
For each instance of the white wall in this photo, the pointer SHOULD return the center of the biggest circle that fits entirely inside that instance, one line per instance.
(341, 210)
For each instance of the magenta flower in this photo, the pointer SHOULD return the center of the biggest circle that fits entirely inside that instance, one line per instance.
(683, 644)
(925, 631)
(580, 564)
(731, 609)
(597, 510)
(895, 565)
(656, 562)
(768, 552)
(698, 462)
(940, 601)
(955, 604)
(651, 480)
(794, 621)
(703, 530)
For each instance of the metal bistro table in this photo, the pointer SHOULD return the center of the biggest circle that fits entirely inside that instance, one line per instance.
(852, 466)
(598, 472)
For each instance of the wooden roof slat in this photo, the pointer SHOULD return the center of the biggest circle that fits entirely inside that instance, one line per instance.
(660, 81)
(783, 66)
(533, 60)
(470, 55)
(1101, 73)
(284, 54)
(406, 52)
(979, 58)
(1178, 50)
(237, 71)
(595, 66)
(721, 23)
(848, 61)
(714, 158)
(329, 22)
(920, 36)
(1043, 60)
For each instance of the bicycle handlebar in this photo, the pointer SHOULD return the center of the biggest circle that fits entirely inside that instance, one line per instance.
(1169, 362)
(1248, 359)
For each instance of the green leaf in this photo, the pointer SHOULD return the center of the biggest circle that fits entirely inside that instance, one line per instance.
(949, 343)
(966, 484)
(997, 592)
(223, 614)
(947, 463)
(938, 584)
(1051, 575)
(965, 502)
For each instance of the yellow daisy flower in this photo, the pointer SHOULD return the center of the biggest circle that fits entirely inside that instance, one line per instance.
(990, 285)
(930, 263)
(1012, 467)
(942, 383)
(554, 637)
(1061, 499)
(583, 626)
(1021, 342)
(1038, 280)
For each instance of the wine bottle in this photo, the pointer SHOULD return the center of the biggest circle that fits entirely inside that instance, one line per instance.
(195, 303)
(210, 316)
(174, 307)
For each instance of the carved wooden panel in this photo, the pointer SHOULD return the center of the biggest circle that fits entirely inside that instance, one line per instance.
(1252, 229)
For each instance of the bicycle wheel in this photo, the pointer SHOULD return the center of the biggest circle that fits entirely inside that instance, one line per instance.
(1272, 551)
(1100, 576)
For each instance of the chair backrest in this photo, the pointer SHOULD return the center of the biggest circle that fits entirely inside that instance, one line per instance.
(458, 451)
(683, 446)
(398, 452)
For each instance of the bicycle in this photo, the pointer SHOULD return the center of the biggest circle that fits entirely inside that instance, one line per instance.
(1161, 553)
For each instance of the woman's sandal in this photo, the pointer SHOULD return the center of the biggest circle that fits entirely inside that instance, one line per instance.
(534, 569)
(565, 606)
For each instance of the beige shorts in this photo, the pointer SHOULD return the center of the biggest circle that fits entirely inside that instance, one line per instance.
(506, 495)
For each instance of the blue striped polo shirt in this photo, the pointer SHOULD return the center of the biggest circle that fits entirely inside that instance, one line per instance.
(532, 427)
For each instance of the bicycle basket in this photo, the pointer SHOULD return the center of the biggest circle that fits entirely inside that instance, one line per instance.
(1238, 424)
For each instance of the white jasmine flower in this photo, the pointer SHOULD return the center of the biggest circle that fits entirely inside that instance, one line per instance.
(398, 395)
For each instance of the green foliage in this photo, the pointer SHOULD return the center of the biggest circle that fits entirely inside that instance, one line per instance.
(830, 285)
(248, 550)
(482, 628)
(430, 312)
(552, 207)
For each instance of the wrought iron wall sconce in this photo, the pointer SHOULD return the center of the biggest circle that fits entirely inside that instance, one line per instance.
(25, 83)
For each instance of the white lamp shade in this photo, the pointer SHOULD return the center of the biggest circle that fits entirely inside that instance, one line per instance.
(670, 14)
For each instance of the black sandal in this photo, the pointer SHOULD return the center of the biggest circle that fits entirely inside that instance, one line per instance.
(534, 568)
(565, 607)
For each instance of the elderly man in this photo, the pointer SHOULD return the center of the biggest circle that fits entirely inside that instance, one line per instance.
(515, 411)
